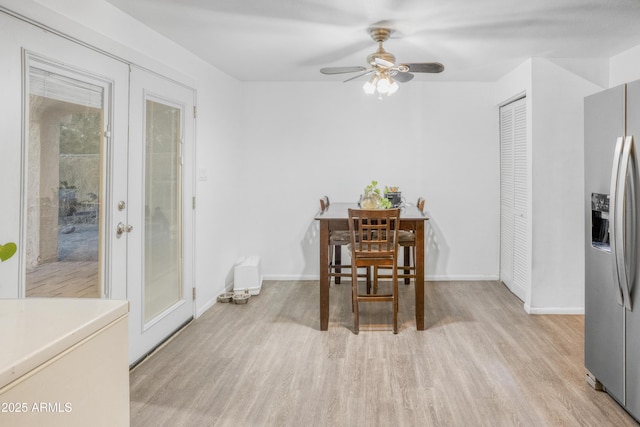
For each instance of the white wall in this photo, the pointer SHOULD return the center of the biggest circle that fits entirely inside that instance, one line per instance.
(510, 87)
(558, 182)
(217, 133)
(555, 133)
(461, 180)
(305, 140)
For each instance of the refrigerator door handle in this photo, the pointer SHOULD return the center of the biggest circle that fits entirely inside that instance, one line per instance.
(613, 217)
(626, 230)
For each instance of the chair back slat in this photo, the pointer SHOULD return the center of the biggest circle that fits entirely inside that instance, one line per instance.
(374, 233)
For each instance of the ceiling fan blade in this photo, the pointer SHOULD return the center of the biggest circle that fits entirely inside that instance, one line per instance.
(359, 75)
(384, 63)
(403, 77)
(425, 67)
(341, 70)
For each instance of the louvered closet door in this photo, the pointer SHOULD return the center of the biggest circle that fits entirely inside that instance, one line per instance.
(506, 195)
(514, 253)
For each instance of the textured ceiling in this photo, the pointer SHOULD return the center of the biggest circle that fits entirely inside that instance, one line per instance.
(476, 40)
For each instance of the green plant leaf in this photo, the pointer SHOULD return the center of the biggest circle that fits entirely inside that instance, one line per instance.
(7, 251)
(385, 203)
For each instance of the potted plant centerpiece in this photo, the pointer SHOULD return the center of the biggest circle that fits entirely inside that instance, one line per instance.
(372, 198)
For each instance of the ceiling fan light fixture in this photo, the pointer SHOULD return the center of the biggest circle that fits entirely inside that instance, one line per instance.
(383, 68)
(382, 83)
(393, 88)
(370, 85)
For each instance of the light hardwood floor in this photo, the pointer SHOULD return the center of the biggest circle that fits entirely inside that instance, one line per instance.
(482, 361)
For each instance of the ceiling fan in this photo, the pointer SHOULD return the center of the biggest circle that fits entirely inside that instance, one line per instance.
(383, 68)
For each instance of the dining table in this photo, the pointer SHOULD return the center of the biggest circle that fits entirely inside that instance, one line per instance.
(336, 217)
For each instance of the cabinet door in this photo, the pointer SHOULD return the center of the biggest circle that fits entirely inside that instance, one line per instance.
(85, 385)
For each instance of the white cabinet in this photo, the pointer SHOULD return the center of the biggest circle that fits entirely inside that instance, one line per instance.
(64, 362)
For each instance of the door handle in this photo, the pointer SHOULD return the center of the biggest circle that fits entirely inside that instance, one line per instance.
(613, 218)
(626, 261)
(121, 228)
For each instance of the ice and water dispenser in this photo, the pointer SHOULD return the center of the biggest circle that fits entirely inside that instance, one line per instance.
(600, 221)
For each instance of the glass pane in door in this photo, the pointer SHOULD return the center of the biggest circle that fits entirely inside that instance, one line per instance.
(163, 231)
(64, 186)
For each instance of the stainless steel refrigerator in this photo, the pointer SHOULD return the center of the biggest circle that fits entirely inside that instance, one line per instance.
(612, 302)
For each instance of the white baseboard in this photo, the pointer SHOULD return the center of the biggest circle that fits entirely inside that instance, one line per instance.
(554, 310)
(434, 278)
(460, 278)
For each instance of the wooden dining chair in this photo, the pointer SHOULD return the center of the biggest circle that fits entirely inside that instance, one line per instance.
(337, 239)
(374, 243)
(407, 240)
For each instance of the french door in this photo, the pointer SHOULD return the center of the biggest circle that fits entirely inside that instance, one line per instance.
(75, 141)
(160, 213)
(104, 190)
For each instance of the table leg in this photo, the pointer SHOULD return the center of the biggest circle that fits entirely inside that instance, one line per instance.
(324, 275)
(420, 275)
(338, 261)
